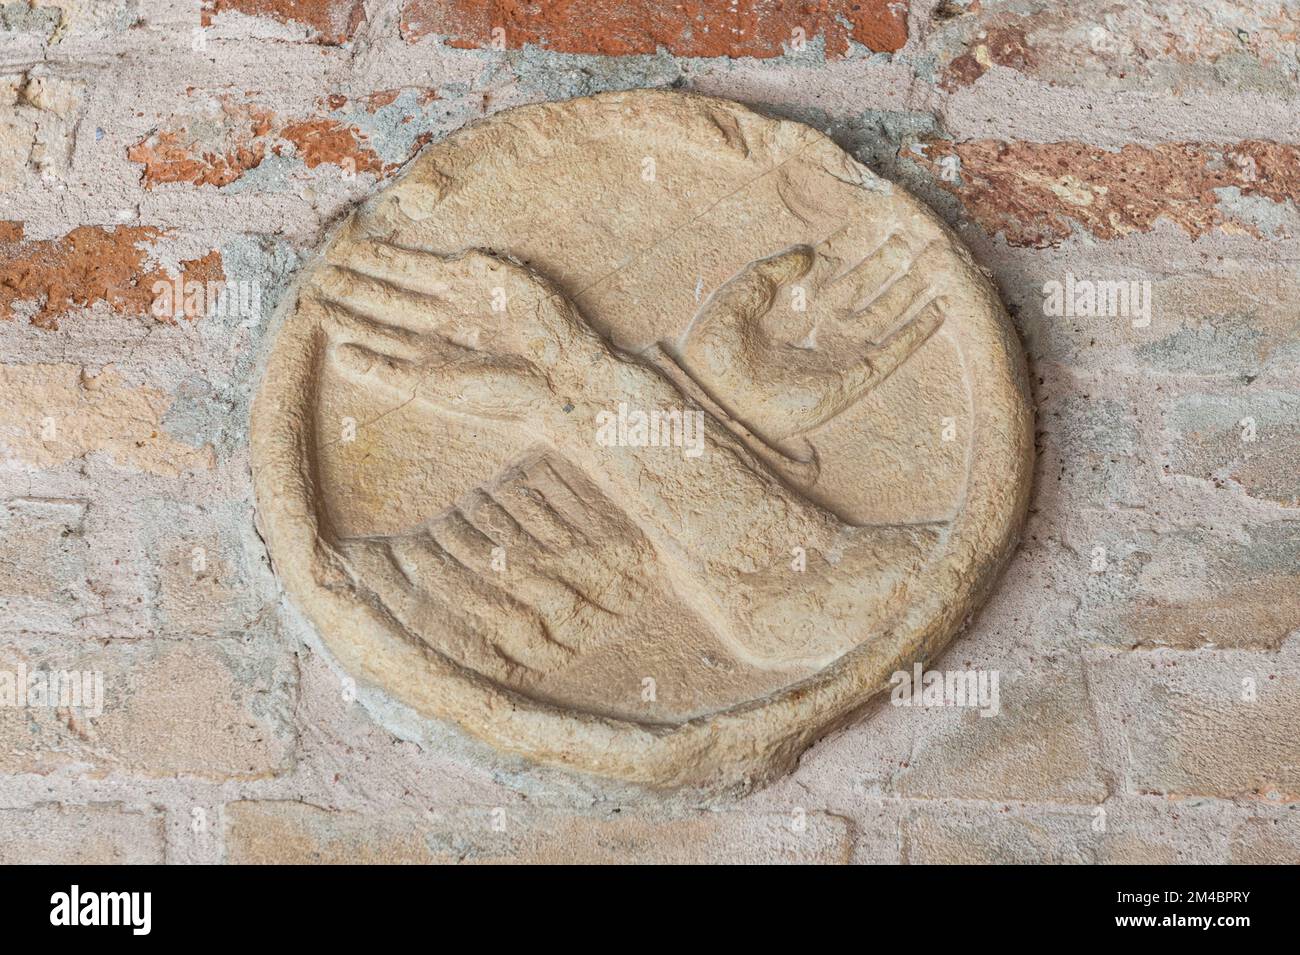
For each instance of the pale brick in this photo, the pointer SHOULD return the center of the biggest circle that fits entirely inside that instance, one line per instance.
(38, 123)
(1246, 441)
(982, 834)
(56, 414)
(1157, 831)
(1187, 729)
(1177, 45)
(217, 709)
(1040, 194)
(1272, 839)
(1230, 328)
(1091, 449)
(1238, 325)
(1131, 832)
(81, 17)
(22, 17)
(1191, 587)
(202, 575)
(291, 832)
(80, 835)
(44, 564)
(1041, 745)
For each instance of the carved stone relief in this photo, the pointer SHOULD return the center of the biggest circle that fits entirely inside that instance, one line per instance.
(643, 435)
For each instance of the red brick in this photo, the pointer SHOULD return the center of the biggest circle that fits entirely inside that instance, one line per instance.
(90, 264)
(1036, 194)
(177, 155)
(1087, 42)
(196, 150)
(329, 141)
(331, 22)
(732, 28)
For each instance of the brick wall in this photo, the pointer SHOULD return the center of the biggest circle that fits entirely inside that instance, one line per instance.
(1145, 633)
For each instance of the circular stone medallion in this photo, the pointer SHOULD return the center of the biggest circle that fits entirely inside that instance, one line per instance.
(643, 435)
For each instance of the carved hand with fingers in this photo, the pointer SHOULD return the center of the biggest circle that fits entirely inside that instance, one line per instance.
(423, 328)
(479, 336)
(797, 338)
(472, 335)
(532, 565)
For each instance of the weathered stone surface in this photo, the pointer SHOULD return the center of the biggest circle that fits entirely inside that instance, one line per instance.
(1091, 446)
(551, 560)
(147, 141)
(296, 833)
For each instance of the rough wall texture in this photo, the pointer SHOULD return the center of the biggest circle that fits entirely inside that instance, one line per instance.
(166, 165)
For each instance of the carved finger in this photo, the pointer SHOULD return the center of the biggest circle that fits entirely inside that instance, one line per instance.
(496, 613)
(386, 371)
(487, 513)
(377, 299)
(549, 479)
(512, 576)
(876, 365)
(523, 569)
(903, 297)
(523, 565)
(459, 380)
(469, 280)
(344, 326)
(421, 272)
(464, 540)
(404, 576)
(883, 360)
(863, 281)
(431, 568)
(534, 514)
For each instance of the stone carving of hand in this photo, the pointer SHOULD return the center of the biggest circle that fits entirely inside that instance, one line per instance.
(480, 336)
(473, 335)
(797, 338)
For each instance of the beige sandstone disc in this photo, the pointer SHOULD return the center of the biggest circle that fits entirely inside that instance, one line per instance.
(642, 435)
